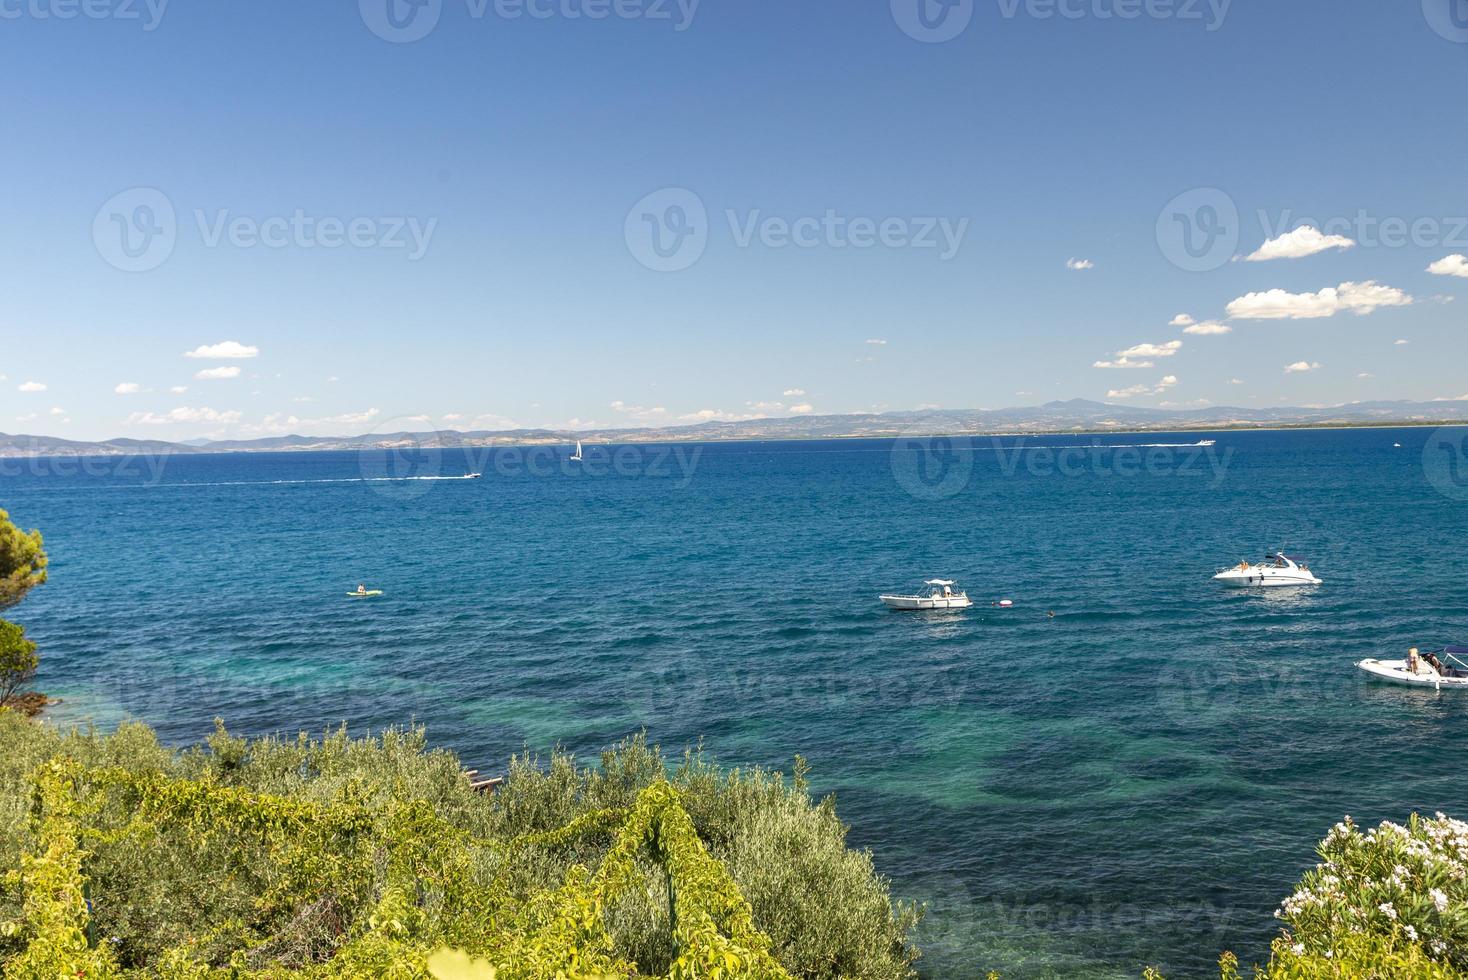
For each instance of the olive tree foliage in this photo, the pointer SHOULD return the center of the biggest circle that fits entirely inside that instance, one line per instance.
(22, 562)
(18, 660)
(22, 568)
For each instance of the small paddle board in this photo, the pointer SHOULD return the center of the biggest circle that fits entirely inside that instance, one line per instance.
(364, 595)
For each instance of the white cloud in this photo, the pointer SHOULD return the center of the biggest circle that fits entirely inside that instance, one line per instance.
(1452, 265)
(280, 422)
(227, 350)
(1080, 265)
(29, 417)
(1123, 362)
(1131, 392)
(1365, 374)
(128, 388)
(715, 415)
(1299, 243)
(1400, 343)
(877, 342)
(1152, 350)
(179, 389)
(58, 410)
(453, 417)
(802, 409)
(1235, 381)
(640, 413)
(1208, 328)
(1300, 367)
(183, 414)
(1358, 298)
(1181, 320)
(1169, 381)
(217, 374)
(1136, 357)
(32, 386)
(793, 392)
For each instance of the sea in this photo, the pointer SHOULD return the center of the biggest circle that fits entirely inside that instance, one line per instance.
(1129, 766)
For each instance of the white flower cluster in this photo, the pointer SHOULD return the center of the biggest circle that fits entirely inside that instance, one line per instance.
(1408, 882)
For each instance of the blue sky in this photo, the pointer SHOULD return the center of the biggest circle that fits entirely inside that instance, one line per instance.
(457, 230)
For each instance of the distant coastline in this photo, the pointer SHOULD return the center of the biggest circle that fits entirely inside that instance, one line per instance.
(1077, 417)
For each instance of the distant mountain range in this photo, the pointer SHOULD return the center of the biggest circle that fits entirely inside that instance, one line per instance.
(1076, 415)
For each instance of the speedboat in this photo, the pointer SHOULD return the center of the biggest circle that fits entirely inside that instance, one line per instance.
(941, 596)
(1275, 569)
(1422, 669)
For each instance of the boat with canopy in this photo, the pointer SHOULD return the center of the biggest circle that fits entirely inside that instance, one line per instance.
(1436, 669)
(940, 596)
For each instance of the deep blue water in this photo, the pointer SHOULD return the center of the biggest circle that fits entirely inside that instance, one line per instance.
(1137, 779)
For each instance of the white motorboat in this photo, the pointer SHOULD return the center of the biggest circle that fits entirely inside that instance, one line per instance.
(1276, 569)
(941, 596)
(1422, 669)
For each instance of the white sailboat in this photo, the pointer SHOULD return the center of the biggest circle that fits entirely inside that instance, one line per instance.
(576, 456)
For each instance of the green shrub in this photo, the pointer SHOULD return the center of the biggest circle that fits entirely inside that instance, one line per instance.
(349, 855)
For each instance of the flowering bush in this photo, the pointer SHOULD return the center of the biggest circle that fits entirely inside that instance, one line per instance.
(1389, 902)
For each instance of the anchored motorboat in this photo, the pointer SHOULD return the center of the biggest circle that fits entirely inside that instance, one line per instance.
(941, 596)
(1422, 669)
(1275, 569)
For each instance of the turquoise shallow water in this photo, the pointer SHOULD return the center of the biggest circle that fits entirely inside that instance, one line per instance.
(1135, 780)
